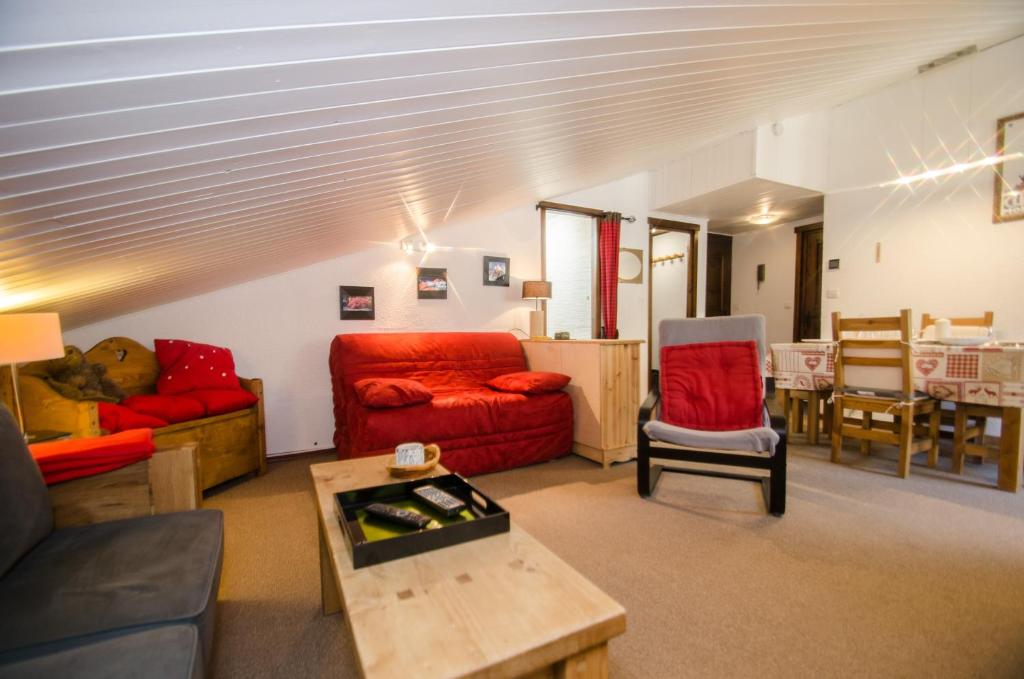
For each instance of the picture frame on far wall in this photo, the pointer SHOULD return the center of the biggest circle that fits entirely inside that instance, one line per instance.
(357, 303)
(1008, 201)
(431, 283)
(496, 271)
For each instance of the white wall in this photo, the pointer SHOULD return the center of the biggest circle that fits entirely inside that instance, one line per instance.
(280, 328)
(794, 151)
(940, 251)
(669, 283)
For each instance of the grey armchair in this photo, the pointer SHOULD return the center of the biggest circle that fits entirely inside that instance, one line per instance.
(758, 448)
(128, 598)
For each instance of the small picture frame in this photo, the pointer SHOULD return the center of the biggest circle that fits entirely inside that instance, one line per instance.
(1008, 202)
(431, 283)
(357, 303)
(496, 271)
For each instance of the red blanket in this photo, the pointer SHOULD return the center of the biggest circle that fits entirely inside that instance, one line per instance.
(74, 458)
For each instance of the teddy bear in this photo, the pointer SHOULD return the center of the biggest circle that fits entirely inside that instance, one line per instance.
(74, 377)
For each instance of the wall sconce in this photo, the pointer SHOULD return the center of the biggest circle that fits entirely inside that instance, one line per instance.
(760, 275)
(415, 243)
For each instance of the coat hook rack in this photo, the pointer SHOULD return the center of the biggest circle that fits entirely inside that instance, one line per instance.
(668, 258)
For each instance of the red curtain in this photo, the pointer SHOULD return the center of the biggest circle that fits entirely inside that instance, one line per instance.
(608, 260)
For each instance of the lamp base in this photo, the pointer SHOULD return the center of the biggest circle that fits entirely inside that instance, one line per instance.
(537, 322)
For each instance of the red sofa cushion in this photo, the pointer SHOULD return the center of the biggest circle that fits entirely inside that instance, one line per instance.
(115, 418)
(529, 382)
(712, 386)
(187, 366)
(391, 392)
(220, 401)
(73, 458)
(169, 408)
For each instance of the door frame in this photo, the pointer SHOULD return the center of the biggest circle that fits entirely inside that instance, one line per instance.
(665, 225)
(801, 235)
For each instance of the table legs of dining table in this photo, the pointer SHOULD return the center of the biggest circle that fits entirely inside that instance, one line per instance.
(1010, 451)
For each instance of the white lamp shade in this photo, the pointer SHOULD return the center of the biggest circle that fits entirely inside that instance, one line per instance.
(30, 337)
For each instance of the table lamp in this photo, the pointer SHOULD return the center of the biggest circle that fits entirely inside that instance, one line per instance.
(28, 337)
(537, 290)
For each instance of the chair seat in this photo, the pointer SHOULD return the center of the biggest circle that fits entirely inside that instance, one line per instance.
(169, 652)
(758, 440)
(115, 576)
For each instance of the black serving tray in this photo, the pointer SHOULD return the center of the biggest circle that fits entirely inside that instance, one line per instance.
(372, 541)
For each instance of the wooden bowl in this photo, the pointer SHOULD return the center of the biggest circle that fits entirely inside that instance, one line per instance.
(432, 455)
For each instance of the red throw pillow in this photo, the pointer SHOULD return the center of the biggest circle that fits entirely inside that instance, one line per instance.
(714, 386)
(187, 366)
(170, 408)
(220, 401)
(529, 382)
(115, 418)
(385, 392)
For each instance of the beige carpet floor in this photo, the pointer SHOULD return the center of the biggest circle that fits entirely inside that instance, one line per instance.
(867, 575)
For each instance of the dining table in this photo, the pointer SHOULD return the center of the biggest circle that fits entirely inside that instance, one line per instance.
(990, 374)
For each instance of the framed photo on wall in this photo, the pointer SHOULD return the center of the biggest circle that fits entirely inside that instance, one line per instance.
(357, 303)
(496, 271)
(1009, 191)
(431, 283)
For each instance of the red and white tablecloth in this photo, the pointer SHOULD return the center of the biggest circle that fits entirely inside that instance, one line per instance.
(989, 375)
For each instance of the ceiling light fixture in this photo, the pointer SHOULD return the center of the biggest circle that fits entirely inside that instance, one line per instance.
(952, 169)
(763, 218)
(416, 243)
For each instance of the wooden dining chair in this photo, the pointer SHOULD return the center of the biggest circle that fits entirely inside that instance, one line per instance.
(967, 420)
(873, 376)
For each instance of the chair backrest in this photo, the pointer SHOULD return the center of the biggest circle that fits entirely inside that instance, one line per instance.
(873, 354)
(971, 325)
(673, 331)
(26, 516)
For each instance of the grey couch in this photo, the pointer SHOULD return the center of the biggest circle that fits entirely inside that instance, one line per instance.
(129, 598)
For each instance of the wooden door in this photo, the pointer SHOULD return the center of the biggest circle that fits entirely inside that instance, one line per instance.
(807, 305)
(718, 299)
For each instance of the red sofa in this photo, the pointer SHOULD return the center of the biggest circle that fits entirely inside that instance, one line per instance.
(479, 430)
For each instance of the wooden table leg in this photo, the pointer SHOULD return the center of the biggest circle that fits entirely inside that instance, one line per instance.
(959, 439)
(591, 663)
(812, 417)
(787, 411)
(330, 598)
(1010, 451)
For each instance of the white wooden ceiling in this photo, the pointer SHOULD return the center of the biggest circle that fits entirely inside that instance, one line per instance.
(150, 150)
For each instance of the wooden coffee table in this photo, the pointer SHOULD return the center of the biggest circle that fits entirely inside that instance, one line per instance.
(502, 606)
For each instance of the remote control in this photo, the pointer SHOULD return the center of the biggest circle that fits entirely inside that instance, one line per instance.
(446, 503)
(403, 517)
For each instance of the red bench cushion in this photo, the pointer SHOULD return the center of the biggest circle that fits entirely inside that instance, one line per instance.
(74, 458)
(712, 386)
(220, 401)
(187, 366)
(169, 408)
(115, 418)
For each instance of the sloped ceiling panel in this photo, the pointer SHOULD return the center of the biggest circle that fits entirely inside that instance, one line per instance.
(153, 150)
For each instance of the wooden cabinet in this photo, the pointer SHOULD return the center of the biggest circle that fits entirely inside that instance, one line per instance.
(605, 392)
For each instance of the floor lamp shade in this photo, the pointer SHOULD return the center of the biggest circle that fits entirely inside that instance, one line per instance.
(28, 337)
(537, 290)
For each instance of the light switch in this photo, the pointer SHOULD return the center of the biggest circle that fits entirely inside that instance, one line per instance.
(832, 293)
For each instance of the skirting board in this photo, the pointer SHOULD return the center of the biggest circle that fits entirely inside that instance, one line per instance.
(605, 457)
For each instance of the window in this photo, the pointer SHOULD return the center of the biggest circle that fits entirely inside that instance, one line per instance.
(570, 256)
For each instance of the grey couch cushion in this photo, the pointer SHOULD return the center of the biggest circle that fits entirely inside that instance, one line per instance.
(673, 331)
(113, 576)
(168, 652)
(26, 516)
(761, 439)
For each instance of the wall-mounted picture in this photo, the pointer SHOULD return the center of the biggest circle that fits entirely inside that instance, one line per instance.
(356, 303)
(1009, 194)
(496, 271)
(431, 283)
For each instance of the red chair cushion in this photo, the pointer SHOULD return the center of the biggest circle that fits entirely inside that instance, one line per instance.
(169, 408)
(73, 458)
(388, 392)
(713, 386)
(115, 418)
(187, 366)
(529, 382)
(220, 401)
